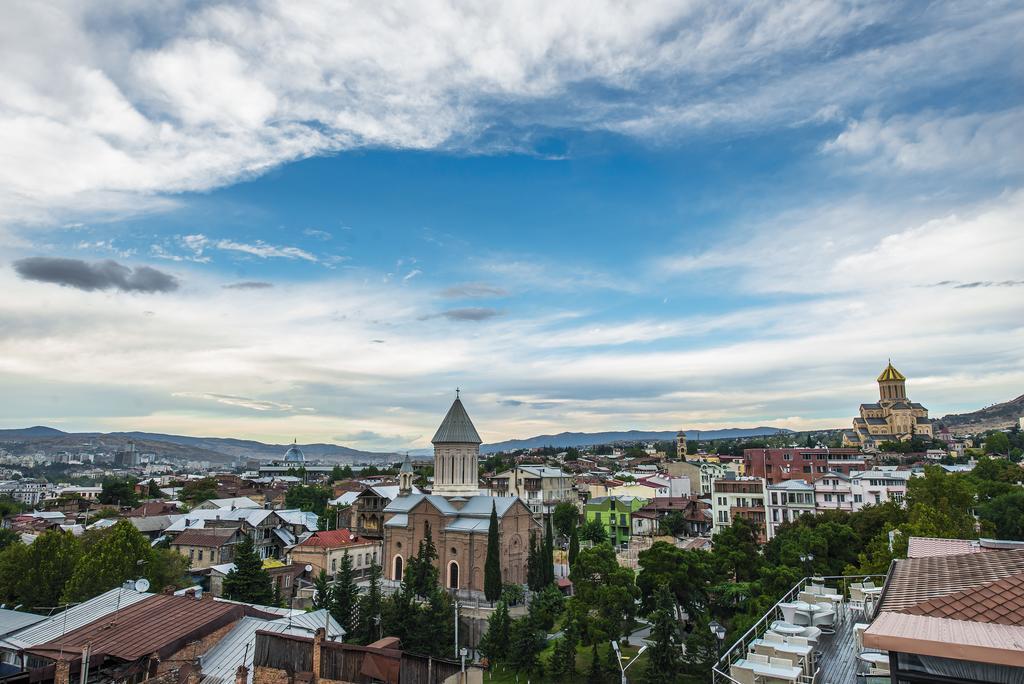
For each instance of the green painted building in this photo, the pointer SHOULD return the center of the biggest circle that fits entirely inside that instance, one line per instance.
(616, 514)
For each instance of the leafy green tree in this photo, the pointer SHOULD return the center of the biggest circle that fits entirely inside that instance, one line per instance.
(736, 552)
(546, 607)
(311, 498)
(605, 593)
(495, 642)
(165, 568)
(118, 491)
(562, 663)
(344, 595)
(997, 443)
(665, 656)
(322, 599)
(526, 642)
(939, 505)
(492, 564)
(674, 524)
(685, 572)
(10, 506)
(154, 491)
(700, 653)
(45, 568)
(117, 556)
(512, 594)
(8, 537)
(566, 517)
(197, 491)
(248, 582)
(594, 531)
(341, 473)
(1006, 514)
(13, 561)
(574, 545)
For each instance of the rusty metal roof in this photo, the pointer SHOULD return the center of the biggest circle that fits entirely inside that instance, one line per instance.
(159, 624)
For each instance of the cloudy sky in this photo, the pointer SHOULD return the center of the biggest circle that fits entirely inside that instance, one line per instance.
(276, 220)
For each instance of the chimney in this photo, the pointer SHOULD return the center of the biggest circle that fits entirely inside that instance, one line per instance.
(318, 642)
(62, 672)
(242, 675)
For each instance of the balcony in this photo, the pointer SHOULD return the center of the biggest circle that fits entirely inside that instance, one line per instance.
(822, 643)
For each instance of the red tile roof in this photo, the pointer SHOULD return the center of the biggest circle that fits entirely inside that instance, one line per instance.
(331, 539)
(1001, 602)
(916, 580)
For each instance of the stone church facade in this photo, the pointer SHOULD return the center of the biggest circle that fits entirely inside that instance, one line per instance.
(457, 515)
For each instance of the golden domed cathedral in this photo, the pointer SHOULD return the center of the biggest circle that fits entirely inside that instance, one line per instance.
(893, 418)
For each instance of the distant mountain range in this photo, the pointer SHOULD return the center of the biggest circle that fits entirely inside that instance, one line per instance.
(214, 449)
(992, 417)
(581, 439)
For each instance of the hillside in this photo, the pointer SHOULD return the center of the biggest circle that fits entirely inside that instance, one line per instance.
(993, 417)
(580, 439)
(213, 449)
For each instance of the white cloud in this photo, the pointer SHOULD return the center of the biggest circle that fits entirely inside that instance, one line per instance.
(265, 251)
(140, 100)
(975, 144)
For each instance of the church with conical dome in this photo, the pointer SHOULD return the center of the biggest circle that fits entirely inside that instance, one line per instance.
(893, 418)
(456, 514)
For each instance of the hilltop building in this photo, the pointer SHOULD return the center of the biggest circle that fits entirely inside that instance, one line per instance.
(893, 418)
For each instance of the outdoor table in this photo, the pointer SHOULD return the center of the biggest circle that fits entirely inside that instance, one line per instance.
(791, 673)
(787, 629)
(874, 658)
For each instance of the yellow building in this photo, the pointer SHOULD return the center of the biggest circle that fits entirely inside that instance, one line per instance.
(893, 418)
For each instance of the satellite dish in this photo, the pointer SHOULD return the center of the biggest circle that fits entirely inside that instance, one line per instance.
(142, 585)
(309, 568)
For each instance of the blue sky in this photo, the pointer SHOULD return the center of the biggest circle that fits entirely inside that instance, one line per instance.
(257, 221)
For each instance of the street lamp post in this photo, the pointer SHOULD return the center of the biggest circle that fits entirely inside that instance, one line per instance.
(618, 654)
(718, 631)
(806, 560)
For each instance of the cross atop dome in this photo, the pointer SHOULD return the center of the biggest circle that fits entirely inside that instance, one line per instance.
(891, 374)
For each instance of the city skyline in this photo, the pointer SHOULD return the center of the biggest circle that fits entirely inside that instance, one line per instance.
(588, 219)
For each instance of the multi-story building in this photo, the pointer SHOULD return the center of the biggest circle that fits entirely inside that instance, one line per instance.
(779, 465)
(787, 501)
(695, 513)
(742, 497)
(616, 514)
(836, 491)
(893, 418)
(367, 515)
(709, 472)
(207, 547)
(540, 487)
(27, 492)
(326, 551)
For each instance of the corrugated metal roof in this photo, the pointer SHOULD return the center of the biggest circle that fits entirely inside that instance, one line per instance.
(398, 520)
(237, 647)
(13, 620)
(456, 428)
(158, 624)
(73, 618)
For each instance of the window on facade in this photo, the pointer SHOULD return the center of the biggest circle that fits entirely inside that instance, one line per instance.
(858, 498)
(597, 516)
(200, 554)
(828, 497)
(878, 498)
(334, 565)
(842, 498)
(787, 457)
(768, 468)
(807, 469)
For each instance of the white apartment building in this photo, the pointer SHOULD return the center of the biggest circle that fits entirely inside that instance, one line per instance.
(835, 491)
(709, 472)
(737, 497)
(787, 501)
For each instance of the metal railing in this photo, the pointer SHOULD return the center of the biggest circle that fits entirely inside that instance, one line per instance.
(739, 650)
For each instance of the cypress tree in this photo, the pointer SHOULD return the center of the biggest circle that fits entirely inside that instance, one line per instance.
(344, 594)
(665, 658)
(596, 673)
(492, 565)
(549, 554)
(322, 588)
(495, 642)
(248, 582)
(574, 545)
(370, 607)
(534, 578)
